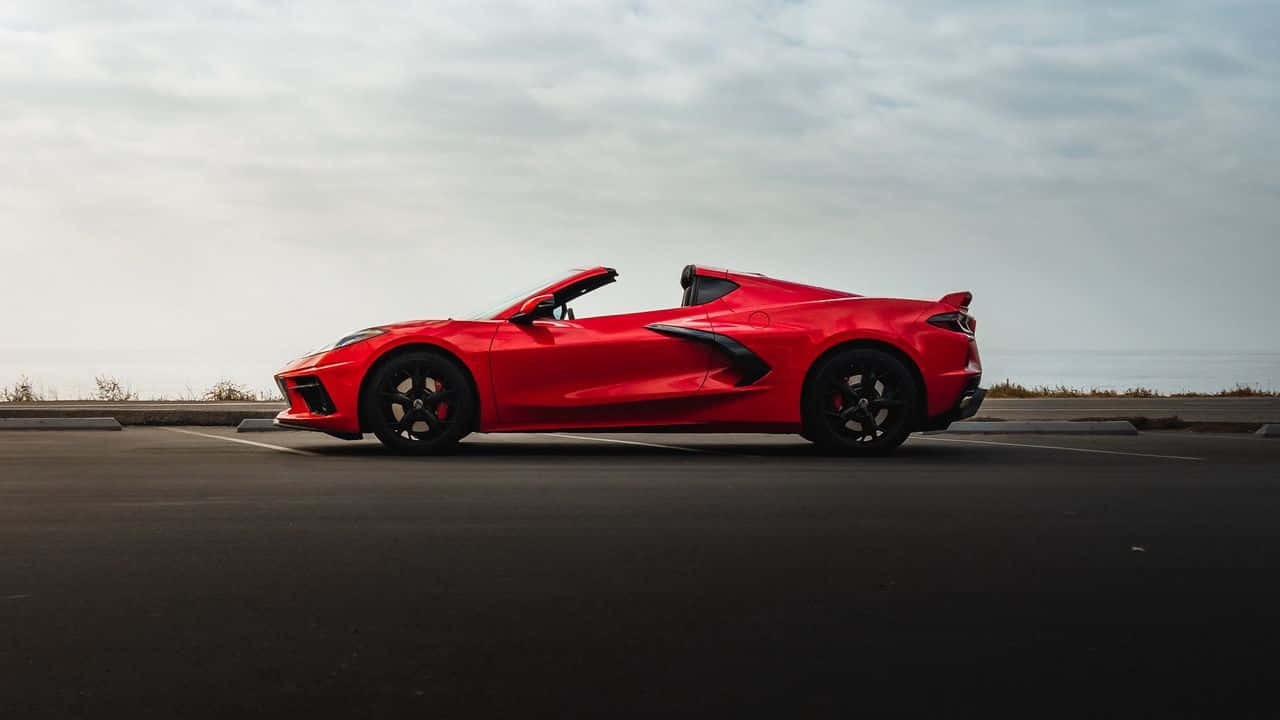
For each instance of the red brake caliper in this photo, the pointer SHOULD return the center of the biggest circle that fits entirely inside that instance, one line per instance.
(838, 398)
(442, 410)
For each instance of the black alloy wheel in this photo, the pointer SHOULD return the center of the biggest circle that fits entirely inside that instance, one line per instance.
(419, 403)
(860, 402)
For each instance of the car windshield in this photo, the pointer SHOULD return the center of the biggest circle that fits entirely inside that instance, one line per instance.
(493, 309)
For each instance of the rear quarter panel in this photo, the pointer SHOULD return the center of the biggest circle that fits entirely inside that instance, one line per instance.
(791, 337)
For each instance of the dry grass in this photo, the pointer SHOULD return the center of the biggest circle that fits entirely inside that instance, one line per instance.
(188, 395)
(1008, 389)
(271, 395)
(1237, 391)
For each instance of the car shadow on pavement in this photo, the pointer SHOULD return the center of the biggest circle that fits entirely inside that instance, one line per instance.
(699, 452)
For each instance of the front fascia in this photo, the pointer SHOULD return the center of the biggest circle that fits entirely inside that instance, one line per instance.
(342, 371)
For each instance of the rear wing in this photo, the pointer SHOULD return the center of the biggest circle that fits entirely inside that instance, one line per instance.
(958, 300)
(958, 321)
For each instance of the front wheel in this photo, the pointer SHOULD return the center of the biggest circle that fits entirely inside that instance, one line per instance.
(860, 402)
(419, 403)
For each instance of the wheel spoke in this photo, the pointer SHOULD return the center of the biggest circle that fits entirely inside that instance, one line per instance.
(419, 378)
(868, 383)
(865, 403)
(437, 397)
(406, 421)
(433, 422)
(398, 398)
(868, 425)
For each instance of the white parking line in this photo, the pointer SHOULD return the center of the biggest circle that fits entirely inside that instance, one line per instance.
(279, 448)
(706, 451)
(1058, 447)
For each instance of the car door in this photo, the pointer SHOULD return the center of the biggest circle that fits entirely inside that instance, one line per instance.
(609, 371)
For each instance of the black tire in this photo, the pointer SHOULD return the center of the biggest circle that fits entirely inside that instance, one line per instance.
(419, 403)
(841, 413)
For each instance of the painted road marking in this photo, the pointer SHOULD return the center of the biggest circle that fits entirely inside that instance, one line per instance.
(706, 451)
(279, 448)
(1059, 447)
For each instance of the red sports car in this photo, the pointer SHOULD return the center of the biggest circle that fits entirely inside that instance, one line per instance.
(742, 353)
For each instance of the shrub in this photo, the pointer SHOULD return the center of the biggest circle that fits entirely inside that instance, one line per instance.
(21, 391)
(110, 390)
(228, 391)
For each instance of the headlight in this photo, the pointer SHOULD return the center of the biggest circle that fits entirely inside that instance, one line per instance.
(353, 338)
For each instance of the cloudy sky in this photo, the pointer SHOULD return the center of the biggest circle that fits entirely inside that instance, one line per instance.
(193, 190)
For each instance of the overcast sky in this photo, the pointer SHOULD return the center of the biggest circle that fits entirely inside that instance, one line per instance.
(189, 190)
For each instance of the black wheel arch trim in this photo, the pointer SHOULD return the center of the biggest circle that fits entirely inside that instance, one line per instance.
(419, 346)
(752, 366)
(881, 345)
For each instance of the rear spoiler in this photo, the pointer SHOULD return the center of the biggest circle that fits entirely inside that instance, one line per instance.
(960, 300)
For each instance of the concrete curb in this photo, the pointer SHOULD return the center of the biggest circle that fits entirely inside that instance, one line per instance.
(98, 423)
(214, 414)
(1269, 431)
(259, 425)
(1047, 427)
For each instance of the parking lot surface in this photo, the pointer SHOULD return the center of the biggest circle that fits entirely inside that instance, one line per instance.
(194, 572)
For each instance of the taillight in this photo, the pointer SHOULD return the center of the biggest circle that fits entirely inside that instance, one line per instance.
(954, 321)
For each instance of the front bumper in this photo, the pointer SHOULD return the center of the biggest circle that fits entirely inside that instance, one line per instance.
(321, 396)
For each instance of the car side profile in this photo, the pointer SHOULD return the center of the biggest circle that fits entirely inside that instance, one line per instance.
(741, 353)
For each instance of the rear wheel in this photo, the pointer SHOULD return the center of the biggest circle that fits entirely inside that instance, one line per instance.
(860, 402)
(419, 403)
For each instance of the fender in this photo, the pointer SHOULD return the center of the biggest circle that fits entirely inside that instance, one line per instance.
(872, 334)
(475, 361)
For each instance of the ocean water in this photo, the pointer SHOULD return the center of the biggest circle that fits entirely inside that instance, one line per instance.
(1166, 371)
(70, 377)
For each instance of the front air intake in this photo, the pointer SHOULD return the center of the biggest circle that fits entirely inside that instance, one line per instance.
(314, 395)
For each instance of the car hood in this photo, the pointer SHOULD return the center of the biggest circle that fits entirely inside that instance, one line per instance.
(342, 354)
(414, 325)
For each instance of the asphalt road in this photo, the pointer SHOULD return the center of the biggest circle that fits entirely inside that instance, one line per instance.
(181, 572)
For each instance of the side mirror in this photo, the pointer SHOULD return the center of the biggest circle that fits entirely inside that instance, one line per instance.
(534, 308)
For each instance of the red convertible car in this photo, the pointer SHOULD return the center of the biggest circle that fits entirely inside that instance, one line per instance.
(741, 353)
